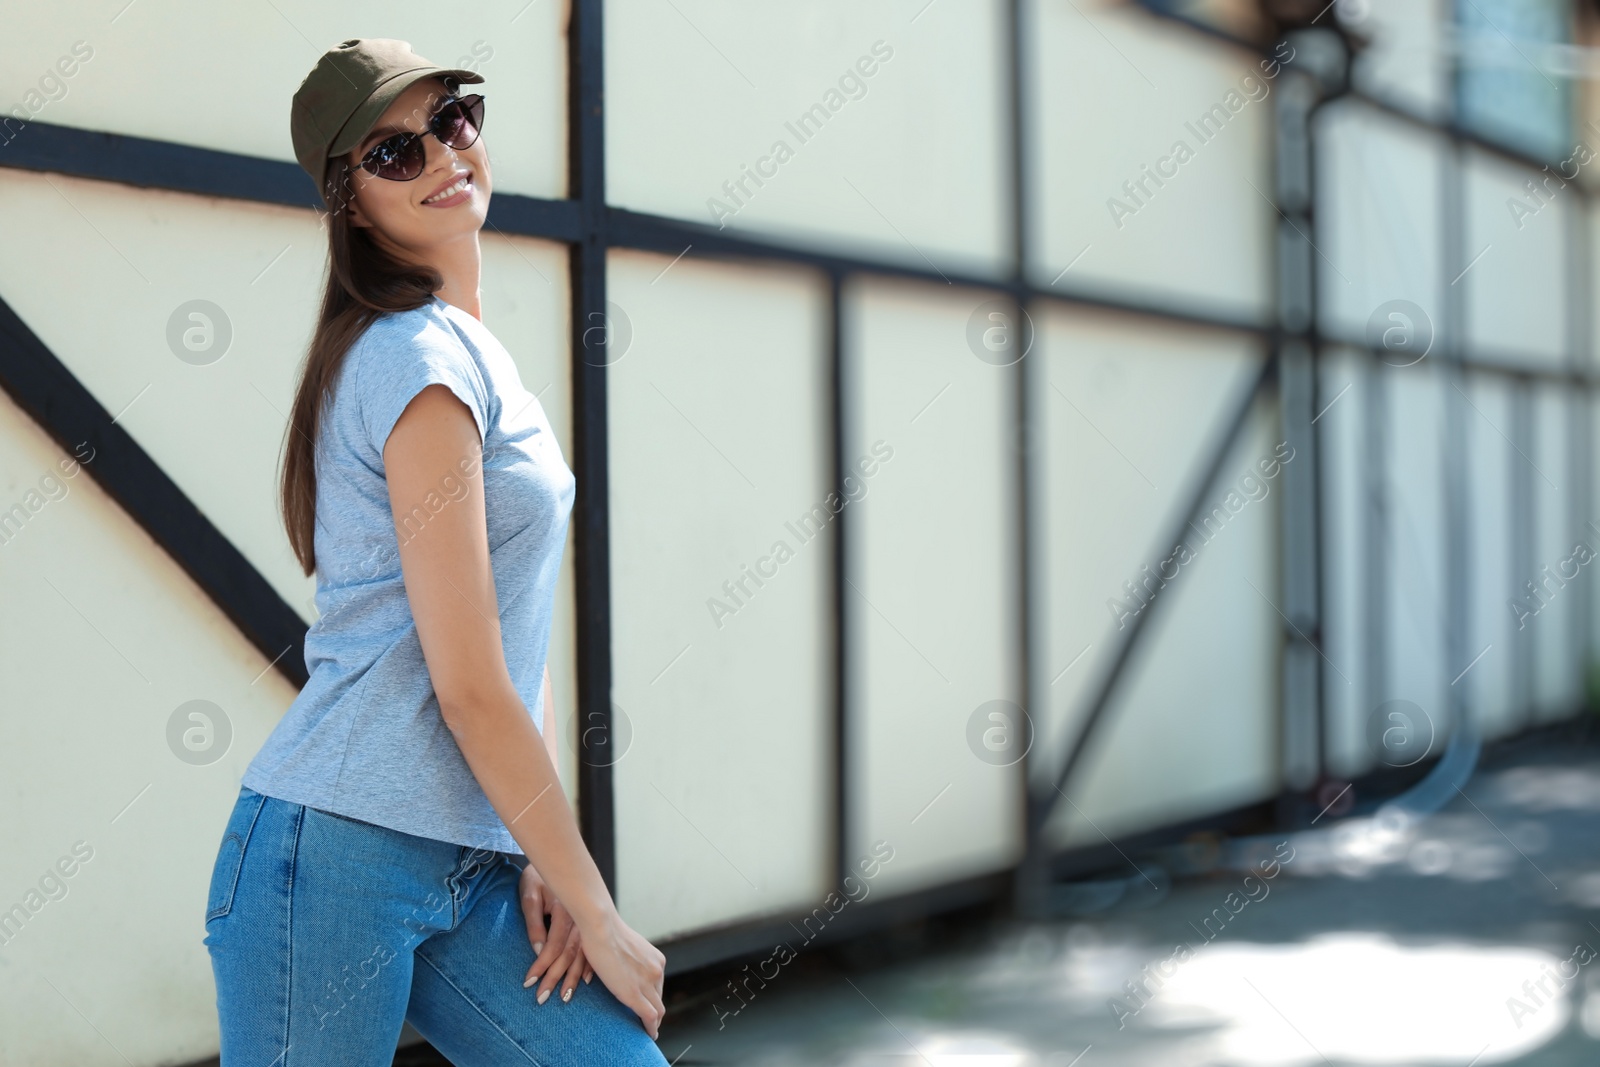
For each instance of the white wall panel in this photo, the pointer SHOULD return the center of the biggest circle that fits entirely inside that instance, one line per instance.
(719, 429)
(1589, 240)
(1346, 509)
(1494, 573)
(223, 76)
(1128, 411)
(1377, 219)
(526, 294)
(1516, 293)
(1556, 671)
(1115, 90)
(1414, 540)
(904, 160)
(1192, 728)
(932, 598)
(103, 639)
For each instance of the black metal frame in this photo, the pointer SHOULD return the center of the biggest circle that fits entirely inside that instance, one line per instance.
(590, 227)
(44, 388)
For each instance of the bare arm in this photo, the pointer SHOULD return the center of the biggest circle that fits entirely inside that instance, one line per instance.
(551, 743)
(449, 582)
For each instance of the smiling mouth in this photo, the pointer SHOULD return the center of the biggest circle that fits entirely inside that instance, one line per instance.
(461, 184)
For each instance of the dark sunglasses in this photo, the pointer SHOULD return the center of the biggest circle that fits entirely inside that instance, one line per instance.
(400, 158)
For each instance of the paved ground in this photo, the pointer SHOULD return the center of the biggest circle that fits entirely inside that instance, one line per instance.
(1376, 940)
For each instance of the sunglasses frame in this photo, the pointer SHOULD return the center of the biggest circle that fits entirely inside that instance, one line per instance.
(411, 142)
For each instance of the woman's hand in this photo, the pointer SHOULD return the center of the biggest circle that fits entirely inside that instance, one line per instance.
(560, 948)
(631, 967)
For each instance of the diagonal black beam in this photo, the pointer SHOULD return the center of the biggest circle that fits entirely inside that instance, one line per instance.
(1042, 804)
(151, 164)
(52, 396)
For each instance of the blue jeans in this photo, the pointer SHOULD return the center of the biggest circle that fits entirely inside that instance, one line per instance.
(326, 933)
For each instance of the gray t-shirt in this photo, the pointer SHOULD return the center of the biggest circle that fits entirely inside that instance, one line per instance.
(364, 738)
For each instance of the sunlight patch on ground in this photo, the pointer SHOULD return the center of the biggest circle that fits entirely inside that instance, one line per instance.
(1363, 998)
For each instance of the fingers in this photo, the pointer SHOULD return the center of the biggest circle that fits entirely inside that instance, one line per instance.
(574, 970)
(548, 965)
(532, 897)
(650, 1008)
(560, 965)
(561, 922)
(651, 1016)
(532, 907)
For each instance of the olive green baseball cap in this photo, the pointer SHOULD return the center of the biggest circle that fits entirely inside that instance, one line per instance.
(346, 93)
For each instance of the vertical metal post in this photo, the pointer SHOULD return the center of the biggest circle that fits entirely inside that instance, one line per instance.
(1301, 750)
(838, 437)
(591, 518)
(1450, 343)
(1523, 550)
(1032, 878)
(1375, 554)
(1580, 426)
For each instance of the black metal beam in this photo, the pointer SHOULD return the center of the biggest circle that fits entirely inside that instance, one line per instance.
(1028, 888)
(1490, 362)
(152, 164)
(654, 233)
(46, 389)
(838, 437)
(706, 948)
(591, 515)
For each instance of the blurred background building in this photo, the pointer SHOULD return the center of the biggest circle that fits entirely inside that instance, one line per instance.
(1009, 435)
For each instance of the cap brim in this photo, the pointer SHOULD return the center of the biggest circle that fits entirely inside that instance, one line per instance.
(365, 117)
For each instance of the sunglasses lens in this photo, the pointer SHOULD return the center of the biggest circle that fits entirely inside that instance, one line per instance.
(459, 121)
(398, 159)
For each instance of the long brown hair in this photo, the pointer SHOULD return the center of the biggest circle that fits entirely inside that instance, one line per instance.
(363, 282)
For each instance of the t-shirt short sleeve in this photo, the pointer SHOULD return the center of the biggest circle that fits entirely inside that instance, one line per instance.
(392, 371)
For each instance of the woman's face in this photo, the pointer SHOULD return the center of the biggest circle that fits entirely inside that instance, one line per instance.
(398, 211)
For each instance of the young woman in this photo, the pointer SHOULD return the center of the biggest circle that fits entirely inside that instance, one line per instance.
(399, 838)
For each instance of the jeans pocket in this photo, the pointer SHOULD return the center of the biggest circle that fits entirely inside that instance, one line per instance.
(230, 854)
